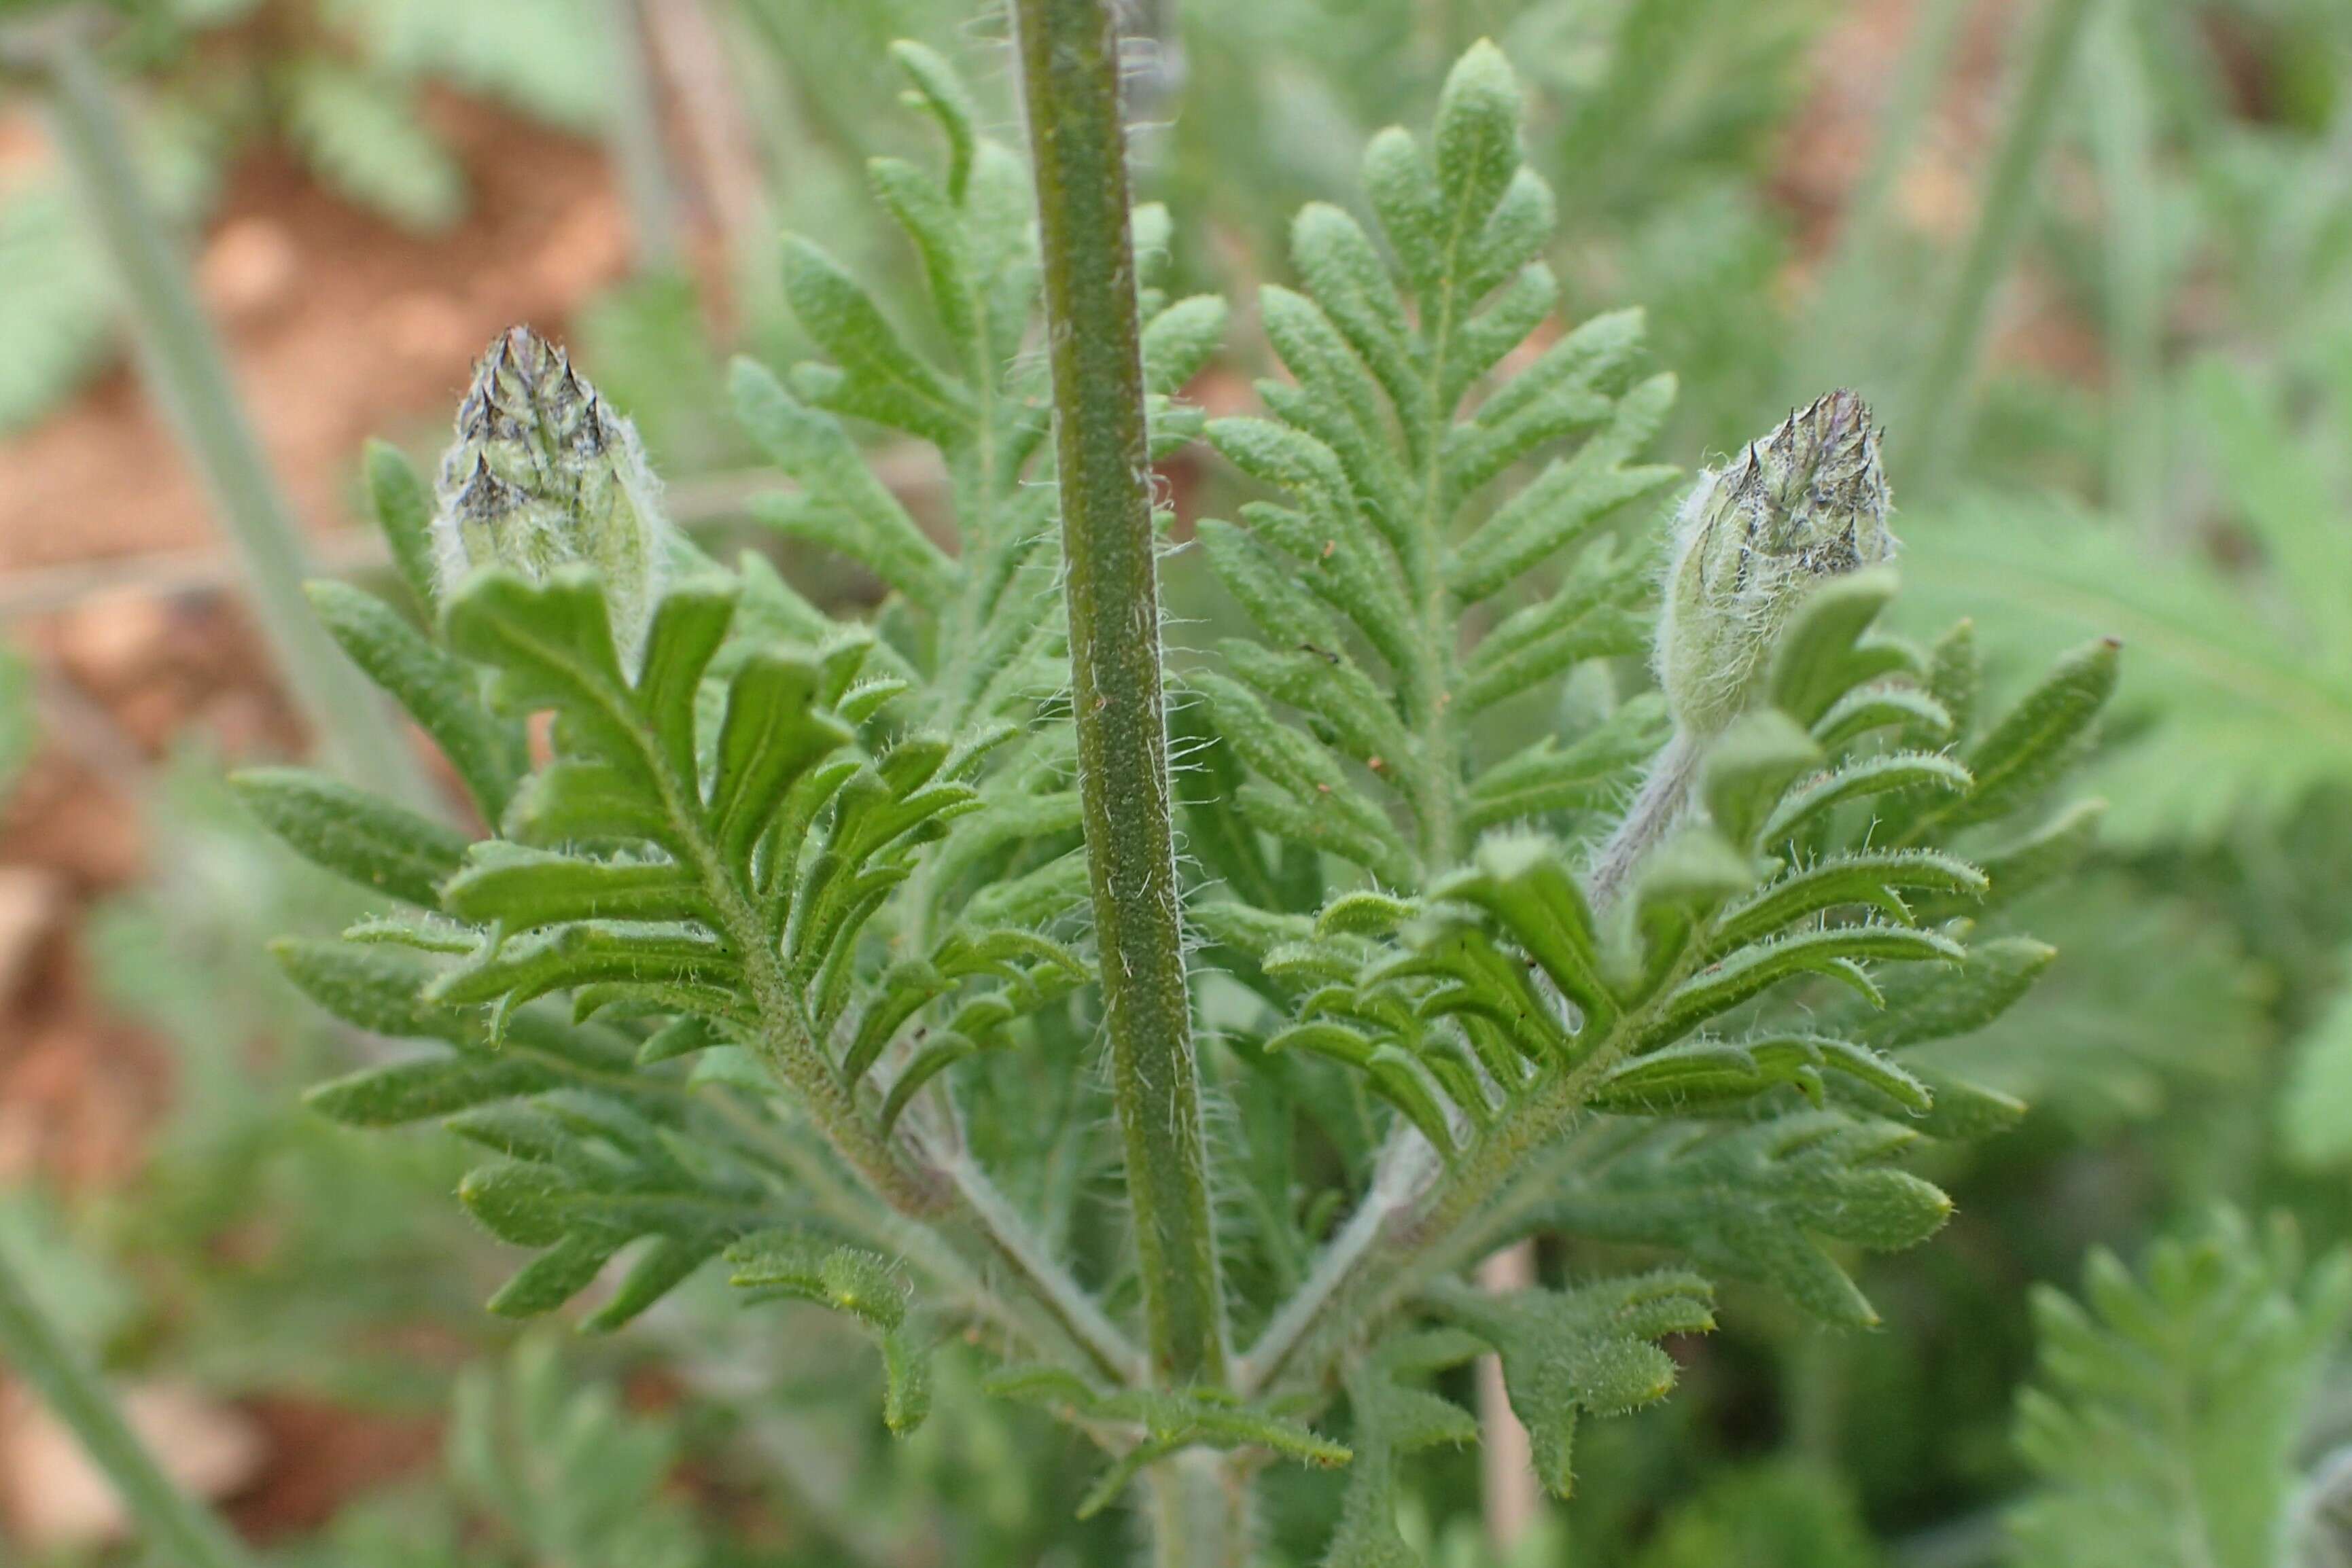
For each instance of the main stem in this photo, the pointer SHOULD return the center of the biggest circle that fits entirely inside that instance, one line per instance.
(177, 1529)
(1069, 68)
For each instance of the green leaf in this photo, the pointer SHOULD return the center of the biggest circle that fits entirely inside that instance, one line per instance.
(940, 91)
(1590, 774)
(583, 1177)
(403, 505)
(1826, 651)
(1923, 1005)
(880, 378)
(1567, 500)
(1167, 1421)
(362, 134)
(1394, 1419)
(372, 989)
(362, 838)
(1523, 883)
(1875, 878)
(2166, 1420)
(1179, 340)
(1586, 1350)
(518, 889)
(841, 503)
(1757, 1202)
(846, 1279)
(1702, 1076)
(428, 1087)
(1750, 767)
(1886, 773)
(439, 692)
(1753, 969)
(2037, 740)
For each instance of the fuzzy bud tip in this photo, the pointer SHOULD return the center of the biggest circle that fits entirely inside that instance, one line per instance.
(543, 473)
(1807, 502)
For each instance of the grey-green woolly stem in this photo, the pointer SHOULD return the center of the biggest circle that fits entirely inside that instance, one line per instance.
(1936, 413)
(1654, 811)
(633, 132)
(1015, 1246)
(184, 370)
(1201, 1511)
(177, 1529)
(1069, 68)
(1408, 1170)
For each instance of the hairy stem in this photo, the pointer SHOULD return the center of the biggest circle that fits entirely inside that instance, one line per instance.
(184, 370)
(1936, 413)
(1653, 813)
(178, 1527)
(1069, 68)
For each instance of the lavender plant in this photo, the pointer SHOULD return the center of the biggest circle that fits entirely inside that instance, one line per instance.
(828, 951)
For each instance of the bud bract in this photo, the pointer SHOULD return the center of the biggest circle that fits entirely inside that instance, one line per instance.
(1807, 502)
(544, 474)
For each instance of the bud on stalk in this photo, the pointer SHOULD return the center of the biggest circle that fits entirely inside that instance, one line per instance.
(1807, 502)
(544, 474)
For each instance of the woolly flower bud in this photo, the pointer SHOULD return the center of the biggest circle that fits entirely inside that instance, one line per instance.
(542, 474)
(1807, 502)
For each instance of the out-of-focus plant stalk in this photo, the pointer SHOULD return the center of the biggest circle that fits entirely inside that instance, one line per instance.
(185, 367)
(634, 135)
(176, 1528)
(2122, 141)
(1937, 415)
(1851, 310)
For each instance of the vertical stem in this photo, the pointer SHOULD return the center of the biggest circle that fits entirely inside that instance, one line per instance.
(1511, 1498)
(2123, 140)
(186, 372)
(634, 135)
(1069, 68)
(1850, 307)
(1201, 1513)
(177, 1529)
(1937, 412)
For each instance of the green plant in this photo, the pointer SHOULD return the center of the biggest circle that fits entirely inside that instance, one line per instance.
(2166, 1425)
(839, 910)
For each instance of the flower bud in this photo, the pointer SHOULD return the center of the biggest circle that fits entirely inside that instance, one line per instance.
(1807, 502)
(544, 473)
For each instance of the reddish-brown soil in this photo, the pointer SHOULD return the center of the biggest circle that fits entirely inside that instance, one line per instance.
(341, 326)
